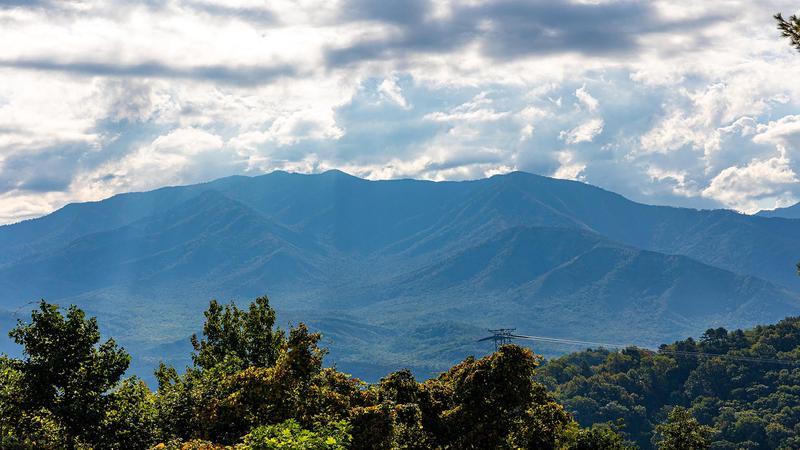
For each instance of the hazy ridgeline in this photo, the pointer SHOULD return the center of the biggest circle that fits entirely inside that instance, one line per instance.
(405, 271)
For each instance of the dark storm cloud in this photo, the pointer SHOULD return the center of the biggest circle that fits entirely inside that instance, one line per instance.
(509, 29)
(241, 75)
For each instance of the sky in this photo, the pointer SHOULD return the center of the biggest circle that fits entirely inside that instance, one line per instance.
(686, 103)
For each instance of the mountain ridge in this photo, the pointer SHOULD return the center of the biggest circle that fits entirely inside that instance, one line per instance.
(789, 212)
(553, 256)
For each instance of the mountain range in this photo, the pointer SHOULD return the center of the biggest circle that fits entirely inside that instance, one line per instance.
(402, 272)
(789, 212)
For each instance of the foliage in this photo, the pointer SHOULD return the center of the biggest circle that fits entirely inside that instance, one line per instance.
(790, 29)
(751, 403)
(130, 419)
(231, 390)
(67, 393)
(290, 436)
(600, 437)
(59, 393)
(496, 404)
(254, 387)
(246, 337)
(192, 444)
(494, 399)
(22, 427)
(681, 431)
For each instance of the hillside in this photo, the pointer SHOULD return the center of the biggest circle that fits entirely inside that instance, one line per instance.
(405, 270)
(749, 391)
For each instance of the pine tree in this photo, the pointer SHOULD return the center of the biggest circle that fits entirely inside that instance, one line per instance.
(790, 29)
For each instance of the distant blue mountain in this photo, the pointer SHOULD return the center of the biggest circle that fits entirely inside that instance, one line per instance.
(404, 272)
(789, 212)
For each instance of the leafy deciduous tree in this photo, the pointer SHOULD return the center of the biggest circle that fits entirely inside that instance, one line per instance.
(248, 336)
(682, 431)
(65, 372)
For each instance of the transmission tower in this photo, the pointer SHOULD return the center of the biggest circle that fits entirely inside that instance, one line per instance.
(502, 336)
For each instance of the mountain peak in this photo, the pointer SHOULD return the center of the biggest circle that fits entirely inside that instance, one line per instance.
(338, 174)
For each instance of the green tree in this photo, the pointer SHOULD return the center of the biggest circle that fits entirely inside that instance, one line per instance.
(790, 29)
(681, 431)
(599, 437)
(65, 372)
(188, 406)
(399, 387)
(21, 428)
(248, 374)
(291, 389)
(290, 435)
(130, 418)
(497, 404)
(248, 336)
(404, 398)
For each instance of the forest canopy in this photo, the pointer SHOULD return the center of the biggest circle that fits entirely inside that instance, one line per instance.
(253, 385)
(744, 386)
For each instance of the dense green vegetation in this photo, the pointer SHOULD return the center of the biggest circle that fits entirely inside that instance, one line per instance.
(253, 386)
(747, 399)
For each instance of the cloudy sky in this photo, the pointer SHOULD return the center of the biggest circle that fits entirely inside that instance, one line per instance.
(689, 103)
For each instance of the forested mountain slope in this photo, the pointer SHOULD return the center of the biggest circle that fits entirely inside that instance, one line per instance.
(403, 270)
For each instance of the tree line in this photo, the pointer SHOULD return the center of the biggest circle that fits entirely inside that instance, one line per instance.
(252, 385)
(743, 386)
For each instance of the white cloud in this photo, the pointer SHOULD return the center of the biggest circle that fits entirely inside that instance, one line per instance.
(315, 123)
(184, 155)
(672, 133)
(391, 91)
(679, 181)
(526, 132)
(38, 111)
(138, 95)
(758, 185)
(585, 132)
(784, 132)
(528, 118)
(586, 99)
(569, 168)
(475, 110)
(17, 205)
